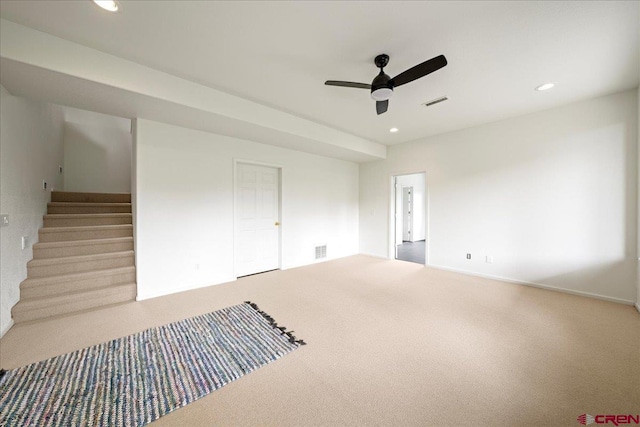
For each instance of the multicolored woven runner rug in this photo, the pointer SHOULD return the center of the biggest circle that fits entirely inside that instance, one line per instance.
(134, 380)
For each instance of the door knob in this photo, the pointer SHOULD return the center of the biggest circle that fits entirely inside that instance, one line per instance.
(277, 223)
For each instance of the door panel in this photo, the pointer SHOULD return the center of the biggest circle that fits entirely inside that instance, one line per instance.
(257, 219)
(407, 214)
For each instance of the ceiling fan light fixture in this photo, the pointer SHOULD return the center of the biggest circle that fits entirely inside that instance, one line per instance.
(382, 94)
(544, 87)
(110, 5)
(381, 87)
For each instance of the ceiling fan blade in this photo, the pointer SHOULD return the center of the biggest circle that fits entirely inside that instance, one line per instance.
(420, 70)
(348, 84)
(381, 106)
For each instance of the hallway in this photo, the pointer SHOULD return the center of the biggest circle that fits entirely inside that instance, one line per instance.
(412, 252)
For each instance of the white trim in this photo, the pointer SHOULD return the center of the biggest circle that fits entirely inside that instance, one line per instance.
(537, 285)
(6, 329)
(182, 288)
(392, 211)
(372, 255)
(257, 163)
(133, 191)
(637, 305)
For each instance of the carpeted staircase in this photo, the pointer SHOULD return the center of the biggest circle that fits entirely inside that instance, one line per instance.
(84, 258)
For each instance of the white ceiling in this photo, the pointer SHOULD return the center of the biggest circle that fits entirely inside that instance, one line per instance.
(280, 53)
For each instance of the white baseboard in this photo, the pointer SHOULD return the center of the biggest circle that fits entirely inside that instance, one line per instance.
(374, 256)
(6, 328)
(149, 295)
(537, 285)
(637, 305)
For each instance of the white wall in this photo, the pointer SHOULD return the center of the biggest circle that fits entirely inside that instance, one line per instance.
(551, 196)
(97, 152)
(30, 151)
(418, 219)
(638, 252)
(184, 206)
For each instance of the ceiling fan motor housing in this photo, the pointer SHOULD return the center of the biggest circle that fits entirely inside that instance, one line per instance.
(381, 87)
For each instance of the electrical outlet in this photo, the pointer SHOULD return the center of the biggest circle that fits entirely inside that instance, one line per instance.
(489, 259)
(44, 184)
(5, 220)
(468, 256)
(60, 169)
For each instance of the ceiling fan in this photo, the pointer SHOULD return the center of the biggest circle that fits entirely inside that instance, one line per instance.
(382, 85)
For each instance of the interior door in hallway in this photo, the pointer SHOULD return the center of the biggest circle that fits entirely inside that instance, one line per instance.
(257, 247)
(407, 214)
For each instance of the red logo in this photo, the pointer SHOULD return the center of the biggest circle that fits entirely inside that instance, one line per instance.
(586, 419)
(616, 420)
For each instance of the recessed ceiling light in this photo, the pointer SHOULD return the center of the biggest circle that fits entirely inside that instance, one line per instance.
(110, 5)
(393, 130)
(545, 86)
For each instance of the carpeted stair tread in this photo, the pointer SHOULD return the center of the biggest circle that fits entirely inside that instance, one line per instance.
(48, 267)
(77, 258)
(84, 228)
(56, 234)
(39, 308)
(60, 249)
(39, 287)
(32, 282)
(68, 196)
(86, 219)
(37, 302)
(79, 208)
(99, 215)
(73, 313)
(70, 243)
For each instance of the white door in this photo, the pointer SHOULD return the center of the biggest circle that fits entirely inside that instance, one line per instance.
(257, 246)
(398, 214)
(407, 214)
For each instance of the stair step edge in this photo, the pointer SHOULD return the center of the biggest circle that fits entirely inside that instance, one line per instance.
(31, 282)
(80, 204)
(89, 215)
(85, 228)
(71, 313)
(78, 258)
(88, 242)
(64, 297)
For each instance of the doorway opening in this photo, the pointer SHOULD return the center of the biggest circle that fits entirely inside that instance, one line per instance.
(409, 228)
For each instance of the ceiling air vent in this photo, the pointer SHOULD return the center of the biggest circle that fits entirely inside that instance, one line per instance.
(435, 101)
(321, 251)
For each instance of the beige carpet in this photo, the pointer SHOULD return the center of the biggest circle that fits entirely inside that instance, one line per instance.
(392, 343)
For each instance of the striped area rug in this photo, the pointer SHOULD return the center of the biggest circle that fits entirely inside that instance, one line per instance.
(134, 380)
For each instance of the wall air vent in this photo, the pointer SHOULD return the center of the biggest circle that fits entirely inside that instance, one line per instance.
(435, 101)
(321, 251)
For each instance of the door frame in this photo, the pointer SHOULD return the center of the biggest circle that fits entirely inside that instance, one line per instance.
(391, 239)
(280, 169)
